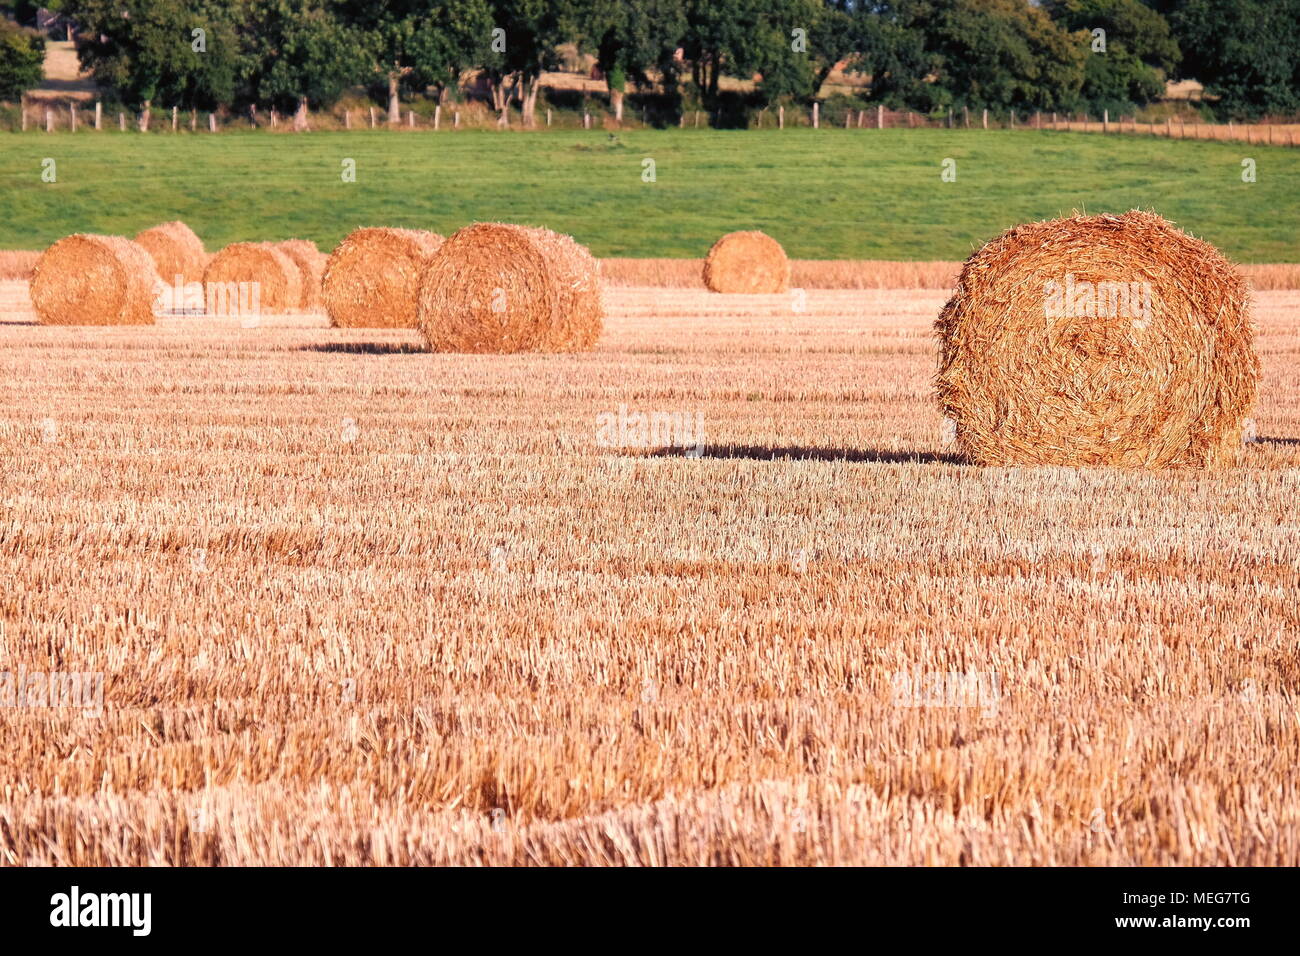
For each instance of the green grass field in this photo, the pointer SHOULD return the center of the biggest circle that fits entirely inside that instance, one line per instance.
(827, 194)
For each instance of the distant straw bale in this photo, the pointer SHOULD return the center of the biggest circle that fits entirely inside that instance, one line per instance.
(373, 278)
(279, 288)
(176, 251)
(1098, 340)
(94, 280)
(495, 287)
(311, 266)
(747, 262)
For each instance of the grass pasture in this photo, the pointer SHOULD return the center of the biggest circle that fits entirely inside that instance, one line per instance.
(825, 194)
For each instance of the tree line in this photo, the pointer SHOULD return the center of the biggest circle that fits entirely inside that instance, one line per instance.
(923, 55)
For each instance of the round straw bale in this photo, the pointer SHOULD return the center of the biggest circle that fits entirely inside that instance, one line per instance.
(495, 287)
(580, 314)
(94, 280)
(311, 266)
(278, 284)
(1098, 340)
(748, 262)
(176, 251)
(373, 278)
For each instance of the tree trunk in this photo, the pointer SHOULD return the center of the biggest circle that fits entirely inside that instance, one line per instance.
(394, 104)
(530, 89)
(144, 118)
(300, 117)
(616, 101)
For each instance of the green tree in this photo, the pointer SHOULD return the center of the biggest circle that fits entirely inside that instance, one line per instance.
(299, 56)
(22, 59)
(1245, 52)
(421, 42)
(1004, 54)
(531, 32)
(145, 51)
(1139, 50)
(631, 38)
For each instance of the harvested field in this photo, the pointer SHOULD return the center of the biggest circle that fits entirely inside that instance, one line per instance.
(864, 274)
(804, 273)
(358, 603)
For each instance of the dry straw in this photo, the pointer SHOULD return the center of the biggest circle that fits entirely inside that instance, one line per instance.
(1116, 340)
(373, 278)
(495, 287)
(747, 262)
(94, 280)
(311, 266)
(176, 251)
(278, 283)
(580, 316)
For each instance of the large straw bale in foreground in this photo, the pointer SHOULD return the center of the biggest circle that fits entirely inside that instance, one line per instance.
(176, 251)
(373, 278)
(495, 287)
(276, 275)
(747, 262)
(94, 280)
(1116, 340)
(311, 267)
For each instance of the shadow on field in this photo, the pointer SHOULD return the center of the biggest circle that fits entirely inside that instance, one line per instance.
(775, 452)
(366, 348)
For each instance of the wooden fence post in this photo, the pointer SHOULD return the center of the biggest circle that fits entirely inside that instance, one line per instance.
(816, 115)
(49, 120)
(1105, 121)
(410, 119)
(780, 117)
(880, 116)
(347, 119)
(175, 118)
(950, 117)
(212, 122)
(965, 116)
(986, 117)
(194, 121)
(99, 114)
(437, 117)
(72, 117)
(372, 117)
(121, 122)
(456, 120)
(548, 116)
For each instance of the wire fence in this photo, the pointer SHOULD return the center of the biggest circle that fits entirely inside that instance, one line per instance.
(74, 116)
